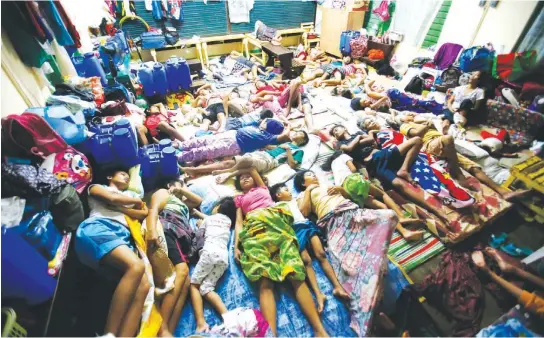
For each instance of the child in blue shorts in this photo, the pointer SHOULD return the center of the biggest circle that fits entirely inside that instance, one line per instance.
(103, 242)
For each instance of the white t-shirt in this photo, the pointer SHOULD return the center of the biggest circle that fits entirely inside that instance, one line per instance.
(102, 210)
(340, 169)
(460, 95)
(297, 215)
(217, 232)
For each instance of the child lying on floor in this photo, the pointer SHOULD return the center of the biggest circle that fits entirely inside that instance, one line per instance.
(243, 140)
(346, 176)
(215, 104)
(158, 124)
(214, 260)
(307, 236)
(263, 161)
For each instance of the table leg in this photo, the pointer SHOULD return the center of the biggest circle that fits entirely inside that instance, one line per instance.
(269, 60)
(286, 62)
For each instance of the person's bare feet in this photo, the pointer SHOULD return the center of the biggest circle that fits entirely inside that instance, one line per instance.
(410, 221)
(512, 195)
(202, 327)
(341, 293)
(411, 235)
(503, 265)
(479, 260)
(322, 333)
(452, 236)
(406, 175)
(321, 299)
(163, 332)
(462, 180)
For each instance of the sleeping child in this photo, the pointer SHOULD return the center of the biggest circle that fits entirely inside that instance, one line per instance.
(214, 260)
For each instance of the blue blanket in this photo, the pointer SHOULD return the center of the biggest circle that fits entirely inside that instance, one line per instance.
(236, 291)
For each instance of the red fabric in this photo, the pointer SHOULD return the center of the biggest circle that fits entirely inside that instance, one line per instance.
(376, 54)
(40, 34)
(500, 135)
(530, 90)
(505, 65)
(152, 122)
(383, 11)
(68, 23)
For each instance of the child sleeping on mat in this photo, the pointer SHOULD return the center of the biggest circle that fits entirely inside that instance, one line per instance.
(214, 259)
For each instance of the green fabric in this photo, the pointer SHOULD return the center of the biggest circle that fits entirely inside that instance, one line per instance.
(280, 154)
(383, 26)
(174, 204)
(432, 36)
(19, 30)
(357, 188)
(270, 245)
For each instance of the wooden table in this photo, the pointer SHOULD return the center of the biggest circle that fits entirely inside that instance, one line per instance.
(285, 55)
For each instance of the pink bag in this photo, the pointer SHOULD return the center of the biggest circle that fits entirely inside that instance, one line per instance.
(358, 46)
(71, 166)
(29, 134)
(383, 11)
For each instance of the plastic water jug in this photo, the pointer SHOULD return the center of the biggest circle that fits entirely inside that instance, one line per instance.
(146, 79)
(123, 145)
(165, 143)
(89, 66)
(121, 40)
(169, 163)
(184, 74)
(172, 74)
(159, 79)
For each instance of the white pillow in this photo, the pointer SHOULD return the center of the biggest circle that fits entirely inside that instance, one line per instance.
(469, 149)
(280, 174)
(311, 151)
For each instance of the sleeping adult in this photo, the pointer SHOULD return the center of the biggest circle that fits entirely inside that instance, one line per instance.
(348, 75)
(390, 165)
(465, 101)
(270, 252)
(443, 146)
(356, 238)
(215, 104)
(170, 206)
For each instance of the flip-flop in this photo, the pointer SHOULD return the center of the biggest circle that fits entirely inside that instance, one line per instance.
(497, 240)
(514, 251)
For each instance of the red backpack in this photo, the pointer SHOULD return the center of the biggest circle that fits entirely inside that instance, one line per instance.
(29, 134)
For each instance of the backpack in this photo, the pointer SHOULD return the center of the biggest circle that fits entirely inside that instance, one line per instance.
(67, 209)
(450, 77)
(358, 46)
(415, 85)
(29, 134)
(70, 166)
(476, 58)
(345, 39)
(27, 180)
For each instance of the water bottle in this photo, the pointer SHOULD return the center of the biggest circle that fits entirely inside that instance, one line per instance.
(159, 79)
(164, 143)
(184, 74)
(122, 144)
(169, 163)
(145, 75)
(91, 67)
(172, 74)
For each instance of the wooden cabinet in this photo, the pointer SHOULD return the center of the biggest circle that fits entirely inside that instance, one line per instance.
(334, 22)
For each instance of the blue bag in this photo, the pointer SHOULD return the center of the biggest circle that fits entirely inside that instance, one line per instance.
(40, 232)
(70, 126)
(476, 58)
(152, 40)
(345, 39)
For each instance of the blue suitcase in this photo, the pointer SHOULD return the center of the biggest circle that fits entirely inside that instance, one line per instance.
(345, 39)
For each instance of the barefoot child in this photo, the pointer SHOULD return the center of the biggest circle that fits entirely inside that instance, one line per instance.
(346, 176)
(213, 260)
(307, 236)
(103, 241)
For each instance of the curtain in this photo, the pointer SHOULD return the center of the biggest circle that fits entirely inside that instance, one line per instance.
(534, 39)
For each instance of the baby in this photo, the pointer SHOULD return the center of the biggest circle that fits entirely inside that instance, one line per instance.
(213, 260)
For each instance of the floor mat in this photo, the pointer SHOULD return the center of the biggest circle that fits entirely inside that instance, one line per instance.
(410, 255)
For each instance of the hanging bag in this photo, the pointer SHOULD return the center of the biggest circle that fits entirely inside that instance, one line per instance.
(358, 46)
(476, 58)
(29, 134)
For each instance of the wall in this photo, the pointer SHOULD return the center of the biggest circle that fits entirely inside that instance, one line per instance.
(501, 26)
(12, 101)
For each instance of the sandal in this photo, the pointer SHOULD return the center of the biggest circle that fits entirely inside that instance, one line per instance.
(514, 251)
(497, 241)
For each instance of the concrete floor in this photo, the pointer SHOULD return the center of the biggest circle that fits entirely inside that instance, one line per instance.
(519, 231)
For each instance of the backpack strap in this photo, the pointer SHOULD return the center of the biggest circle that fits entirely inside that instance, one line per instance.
(41, 132)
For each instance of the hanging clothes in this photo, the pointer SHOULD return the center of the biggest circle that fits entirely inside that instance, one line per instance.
(159, 10)
(68, 24)
(20, 32)
(175, 10)
(55, 21)
(66, 67)
(239, 10)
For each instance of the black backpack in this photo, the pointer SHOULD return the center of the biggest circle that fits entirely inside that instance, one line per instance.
(415, 85)
(450, 77)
